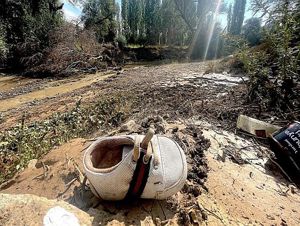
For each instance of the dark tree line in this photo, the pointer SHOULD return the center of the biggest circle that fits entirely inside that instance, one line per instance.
(192, 24)
(24, 29)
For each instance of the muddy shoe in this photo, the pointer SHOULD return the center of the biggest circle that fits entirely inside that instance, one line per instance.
(128, 167)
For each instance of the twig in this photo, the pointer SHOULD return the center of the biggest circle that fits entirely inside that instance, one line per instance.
(214, 214)
(86, 147)
(68, 185)
(80, 174)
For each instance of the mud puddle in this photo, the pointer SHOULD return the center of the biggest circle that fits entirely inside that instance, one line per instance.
(50, 90)
(11, 82)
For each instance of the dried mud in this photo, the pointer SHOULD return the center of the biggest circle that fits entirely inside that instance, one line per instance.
(178, 101)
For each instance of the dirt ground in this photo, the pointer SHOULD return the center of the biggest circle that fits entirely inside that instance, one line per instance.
(245, 188)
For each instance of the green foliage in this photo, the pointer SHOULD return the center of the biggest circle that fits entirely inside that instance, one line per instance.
(233, 44)
(3, 45)
(152, 22)
(274, 68)
(151, 18)
(99, 15)
(27, 25)
(229, 18)
(252, 31)
(124, 13)
(173, 29)
(237, 18)
(121, 39)
(135, 20)
(255, 64)
(23, 142)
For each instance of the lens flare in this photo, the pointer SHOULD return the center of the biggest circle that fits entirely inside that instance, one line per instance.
(212, 27)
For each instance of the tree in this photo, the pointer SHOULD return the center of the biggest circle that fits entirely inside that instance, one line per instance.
(3, 45)
(274, 69)
(151, 18)
(135, 17)
(200, 17)
(229, 18)
(189, 10)
(26, 25)
(99, 15)
(124, 13)
(238, 15)
(173, 29)
(252, 31)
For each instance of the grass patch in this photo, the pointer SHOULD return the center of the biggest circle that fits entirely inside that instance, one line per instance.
(20, 144)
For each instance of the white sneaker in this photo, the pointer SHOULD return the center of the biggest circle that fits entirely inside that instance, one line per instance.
(127, 167)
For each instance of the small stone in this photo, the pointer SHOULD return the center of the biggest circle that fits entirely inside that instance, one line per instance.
(32, 164)
(221, 155)
(159, 119)
(129, 126)
(293, 189)
(195, 216)
(270, 217)
(157, 222)
(160, 128)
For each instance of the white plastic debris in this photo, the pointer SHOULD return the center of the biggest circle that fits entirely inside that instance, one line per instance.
(58, 216)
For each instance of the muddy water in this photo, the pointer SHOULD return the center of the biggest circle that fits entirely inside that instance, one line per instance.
(10, 82)
(50, 90)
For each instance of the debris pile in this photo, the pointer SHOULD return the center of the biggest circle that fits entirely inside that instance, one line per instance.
(74, 50)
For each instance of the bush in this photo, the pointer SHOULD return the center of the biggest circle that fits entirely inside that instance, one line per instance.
(252, 31)
(3, 45)
(274, 66)
(233, 44)
(26, 27)
(121, 40)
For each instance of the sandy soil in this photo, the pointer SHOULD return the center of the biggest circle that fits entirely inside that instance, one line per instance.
(252, 193)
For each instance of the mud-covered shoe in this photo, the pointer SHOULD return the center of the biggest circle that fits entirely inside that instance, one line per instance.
(133, 166)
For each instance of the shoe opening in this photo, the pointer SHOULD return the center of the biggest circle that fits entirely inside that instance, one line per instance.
(110, 151)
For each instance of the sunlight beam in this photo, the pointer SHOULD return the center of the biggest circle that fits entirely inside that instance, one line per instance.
(212, 27)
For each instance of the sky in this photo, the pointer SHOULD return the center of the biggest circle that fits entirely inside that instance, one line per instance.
(72, 12)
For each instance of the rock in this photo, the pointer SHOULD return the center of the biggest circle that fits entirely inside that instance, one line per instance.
(293, 189)
(129, 126)
(159, 119)
(147, 122)
(147, 222)
(31, 209)
(157, 222)
(160, 128)
(32, 164)
(221, 155)
(195, 216)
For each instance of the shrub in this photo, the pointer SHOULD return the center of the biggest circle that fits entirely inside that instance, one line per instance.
(3, 45)
(121, 40)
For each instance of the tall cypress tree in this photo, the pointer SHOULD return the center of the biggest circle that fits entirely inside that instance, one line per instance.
(229, 17)
(135, 16)
(124, 14)
(238, 15)
(151, 17)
